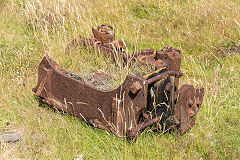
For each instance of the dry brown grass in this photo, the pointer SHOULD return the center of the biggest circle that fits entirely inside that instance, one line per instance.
(30, 29)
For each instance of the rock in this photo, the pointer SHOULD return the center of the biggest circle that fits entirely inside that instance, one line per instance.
(9, 137)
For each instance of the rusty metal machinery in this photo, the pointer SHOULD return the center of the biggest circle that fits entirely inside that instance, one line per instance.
(141, 101)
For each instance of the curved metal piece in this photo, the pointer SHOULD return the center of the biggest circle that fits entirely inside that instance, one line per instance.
(112, 111)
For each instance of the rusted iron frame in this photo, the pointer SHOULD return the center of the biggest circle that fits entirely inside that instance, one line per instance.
(185, 101)
(47, 84)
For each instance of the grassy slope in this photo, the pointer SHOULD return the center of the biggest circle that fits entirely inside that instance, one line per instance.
(29, 29)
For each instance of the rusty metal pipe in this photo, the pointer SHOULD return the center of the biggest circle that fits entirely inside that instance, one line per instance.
(163, 75)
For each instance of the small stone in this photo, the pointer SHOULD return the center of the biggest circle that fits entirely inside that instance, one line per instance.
(9, 137)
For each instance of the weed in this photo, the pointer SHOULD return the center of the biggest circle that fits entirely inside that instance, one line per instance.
(29, 29)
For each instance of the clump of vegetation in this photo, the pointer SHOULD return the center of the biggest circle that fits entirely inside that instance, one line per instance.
(115, 71)
(29, 29)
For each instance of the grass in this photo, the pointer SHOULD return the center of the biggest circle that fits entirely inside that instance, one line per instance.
(29, 29)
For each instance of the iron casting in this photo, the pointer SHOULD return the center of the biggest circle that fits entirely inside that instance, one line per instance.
(153, 100)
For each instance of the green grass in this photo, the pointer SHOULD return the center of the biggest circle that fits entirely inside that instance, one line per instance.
(30, 29)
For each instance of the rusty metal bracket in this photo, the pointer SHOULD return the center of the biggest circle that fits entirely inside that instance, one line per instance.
(141, 101)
